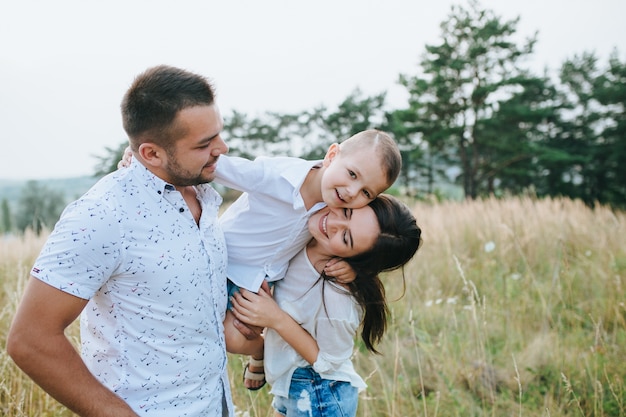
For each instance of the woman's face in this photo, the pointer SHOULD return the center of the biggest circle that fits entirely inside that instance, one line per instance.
(344, 232)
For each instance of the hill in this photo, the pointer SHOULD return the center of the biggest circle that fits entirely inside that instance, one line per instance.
(72, 188)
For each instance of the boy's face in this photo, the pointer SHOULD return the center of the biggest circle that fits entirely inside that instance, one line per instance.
(352, 180)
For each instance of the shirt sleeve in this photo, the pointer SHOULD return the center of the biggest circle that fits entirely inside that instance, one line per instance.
(82, 251)
(240, 173)
(335, 339)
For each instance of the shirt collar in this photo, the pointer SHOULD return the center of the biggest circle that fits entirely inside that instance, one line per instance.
(295, 175)
(148, 178)
(159, 185)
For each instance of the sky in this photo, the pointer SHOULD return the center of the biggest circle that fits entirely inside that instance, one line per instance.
(65, 64)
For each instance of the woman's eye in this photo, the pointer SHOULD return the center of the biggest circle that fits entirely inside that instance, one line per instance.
(352, 174)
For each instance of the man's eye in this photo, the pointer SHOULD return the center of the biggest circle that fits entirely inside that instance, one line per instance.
(345, 238)
(367, 194)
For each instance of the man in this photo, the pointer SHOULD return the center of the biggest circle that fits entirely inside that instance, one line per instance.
(142, 257)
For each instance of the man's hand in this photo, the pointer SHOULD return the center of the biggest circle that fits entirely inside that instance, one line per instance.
(250, 332)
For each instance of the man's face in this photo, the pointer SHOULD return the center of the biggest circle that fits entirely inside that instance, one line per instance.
(193, 158)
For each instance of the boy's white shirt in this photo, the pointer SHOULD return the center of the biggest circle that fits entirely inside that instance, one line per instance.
(268, 224)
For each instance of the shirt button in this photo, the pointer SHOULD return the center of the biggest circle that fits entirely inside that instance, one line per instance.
(181, 210)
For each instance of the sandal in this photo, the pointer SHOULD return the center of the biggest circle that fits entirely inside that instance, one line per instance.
(254, 376)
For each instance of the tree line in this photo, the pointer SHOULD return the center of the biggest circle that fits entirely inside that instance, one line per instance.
(475, 117)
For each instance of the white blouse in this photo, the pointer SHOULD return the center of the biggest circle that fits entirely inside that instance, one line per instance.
(328, 312)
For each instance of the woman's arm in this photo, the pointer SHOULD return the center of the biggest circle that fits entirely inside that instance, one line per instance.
(262, 310)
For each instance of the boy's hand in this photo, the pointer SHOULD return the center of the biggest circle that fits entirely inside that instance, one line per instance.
(126, 158)
(340, 270)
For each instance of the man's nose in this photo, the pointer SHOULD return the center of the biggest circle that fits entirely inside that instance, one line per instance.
(221, 147)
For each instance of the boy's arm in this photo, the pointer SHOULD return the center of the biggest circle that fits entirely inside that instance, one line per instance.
(234, 172)
(262, 310)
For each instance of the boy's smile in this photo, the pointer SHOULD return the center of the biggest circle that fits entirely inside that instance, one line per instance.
(352, 180)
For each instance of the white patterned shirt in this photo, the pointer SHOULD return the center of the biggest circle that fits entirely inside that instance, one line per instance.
(268, 224)
(152, 330)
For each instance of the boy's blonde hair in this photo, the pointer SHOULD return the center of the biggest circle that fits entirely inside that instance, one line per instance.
(383, 144)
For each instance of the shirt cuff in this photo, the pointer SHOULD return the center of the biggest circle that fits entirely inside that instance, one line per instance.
(321, 365)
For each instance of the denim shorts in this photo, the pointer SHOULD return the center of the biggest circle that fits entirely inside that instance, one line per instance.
(312, 396)
(232, 288)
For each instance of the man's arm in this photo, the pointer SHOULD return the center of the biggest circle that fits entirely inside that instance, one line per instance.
(38, 345)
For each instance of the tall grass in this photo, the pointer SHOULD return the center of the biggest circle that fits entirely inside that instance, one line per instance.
(513, 307)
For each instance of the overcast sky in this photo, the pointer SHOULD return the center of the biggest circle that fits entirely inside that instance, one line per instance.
(64, 65)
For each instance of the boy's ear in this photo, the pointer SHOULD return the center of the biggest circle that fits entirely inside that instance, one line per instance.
(331, 153)
(153, 155)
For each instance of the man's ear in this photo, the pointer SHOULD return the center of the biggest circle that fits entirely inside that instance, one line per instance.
(331, 153)
(152, 154)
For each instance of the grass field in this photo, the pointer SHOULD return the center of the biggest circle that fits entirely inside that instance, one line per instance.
(512, 307)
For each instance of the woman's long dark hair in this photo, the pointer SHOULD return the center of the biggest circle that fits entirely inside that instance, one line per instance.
(399, 239)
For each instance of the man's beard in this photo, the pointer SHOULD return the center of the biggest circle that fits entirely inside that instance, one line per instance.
(181, 177)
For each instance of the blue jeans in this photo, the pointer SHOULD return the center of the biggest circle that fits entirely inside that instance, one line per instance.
(232, 288)
(312, 396)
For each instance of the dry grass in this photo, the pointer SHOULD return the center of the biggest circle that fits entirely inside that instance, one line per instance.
(513, 307)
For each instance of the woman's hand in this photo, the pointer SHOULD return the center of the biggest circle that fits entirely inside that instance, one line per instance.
(256, 309)
(261, 310)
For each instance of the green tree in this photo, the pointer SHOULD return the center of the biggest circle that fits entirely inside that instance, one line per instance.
(270, 134)
(568, 168)
(465, 80)
(513, 138)
(7, 224)
(610, 91)
(38, 207)
(420, 163)
(590, 145)
(354, 114)
(306, 134)
(108, 161)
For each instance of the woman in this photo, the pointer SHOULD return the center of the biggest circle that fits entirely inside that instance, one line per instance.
(311, 322)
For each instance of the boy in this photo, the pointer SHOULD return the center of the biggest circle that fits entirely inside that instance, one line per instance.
(267, 225)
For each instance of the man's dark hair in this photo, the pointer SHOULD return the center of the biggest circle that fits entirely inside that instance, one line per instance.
(155, 97)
